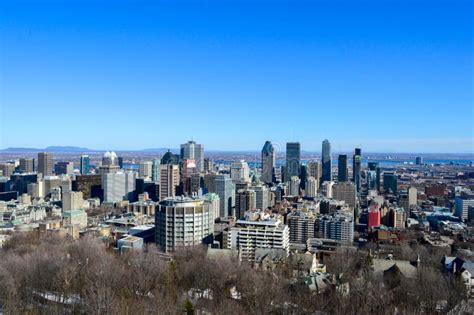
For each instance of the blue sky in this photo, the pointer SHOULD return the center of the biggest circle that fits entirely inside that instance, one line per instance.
(391, 76)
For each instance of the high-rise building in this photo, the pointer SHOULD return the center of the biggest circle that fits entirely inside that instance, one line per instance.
(155, 170)
(145, 169)
(27, 165)
(356, 167)
(45, 163)
(462, 204)
(346, 192)
(169, 180)
(119, 186)
(295, 186)
(373, 217)
(240, 172)
(250, 234)
(268, 163)
(208, 165)
(315, 169)
(338, 226)
(183, 222)
(342, 168)
(412, 197)
(245, 200)
(261, 196)
(312, 185)
(85, 164)
(224, 187)
(192, 150)
(7, 169)
(63, 168)
(326, 161)
(390, 183)
(169, 158)
(293, 159)
(72, 200)
(301, 226)
(109, 165)
(419, 160)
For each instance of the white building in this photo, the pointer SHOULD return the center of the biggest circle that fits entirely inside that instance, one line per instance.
(260, 232)
(240, 172)
(412, 196)
(311, 187)
(295, 186)
(117, 186)
(73, 200)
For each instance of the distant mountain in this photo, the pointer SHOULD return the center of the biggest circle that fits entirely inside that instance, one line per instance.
(50, 149)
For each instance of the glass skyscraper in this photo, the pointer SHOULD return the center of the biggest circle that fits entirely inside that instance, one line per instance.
(342, 168)
(326, 160)
(293, 156)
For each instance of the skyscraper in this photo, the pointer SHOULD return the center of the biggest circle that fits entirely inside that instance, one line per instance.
(155, 170)
(118, 186)
(390, 183)
(342, 168)
(312, 185)
(356, 167)
(85, 164)
(268, 163)
(226, 191)
(27, 165)
(295, 186)
(45, 163)
(240, 172)
(315, 169)
(192, 150)
(145, 169)
(169, 180)
(326, 161)
(293, 156)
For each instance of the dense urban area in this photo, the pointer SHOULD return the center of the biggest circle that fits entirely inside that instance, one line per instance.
(277, 231)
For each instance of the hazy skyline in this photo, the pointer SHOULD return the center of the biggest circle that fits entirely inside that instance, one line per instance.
(387, 76)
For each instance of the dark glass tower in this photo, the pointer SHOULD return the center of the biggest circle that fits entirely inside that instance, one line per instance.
(293, 156)
(326, 161)
(356, 167)
(85, 164)
(342, 168)
(268, 163)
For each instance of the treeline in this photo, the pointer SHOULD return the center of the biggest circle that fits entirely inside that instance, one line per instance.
(51, 275)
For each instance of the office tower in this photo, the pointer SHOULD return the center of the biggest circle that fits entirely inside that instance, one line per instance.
(19, 182)
(213, 200)
(109, 158)
(312, 185)
(27, 165)
(412, 197)
(373, 217)
(36, 190)
(326, 189)
(145, 169)
(192, 150)
(240, 172)
(224, 187)
(261, 196)
(249, 234)
(7, 169)
(120, 162)
(169, 158)
(61, 168)
(301, 226)
(342, 168)
(326, 161)
(188, 168)
(345, 191)
(315, 169)
(377, 178)
(119, 186)
(295, 186)
(155, 170)
(268, 163)
(462, 204)
(169, 180)
(183, 222)
(85, 164)
(109, 165)
(397, 218)
(197, 182)
(338, 226)
(90, 186)
(245, 200)
(293, 156)
(356, 167)
(419, 160)
(45, 163)
(303, 176)
(208, 165)
(390, 182)
(72, 200)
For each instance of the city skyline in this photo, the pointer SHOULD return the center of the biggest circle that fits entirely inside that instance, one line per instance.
(349, 72)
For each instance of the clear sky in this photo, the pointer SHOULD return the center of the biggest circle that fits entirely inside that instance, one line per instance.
(390, 76)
